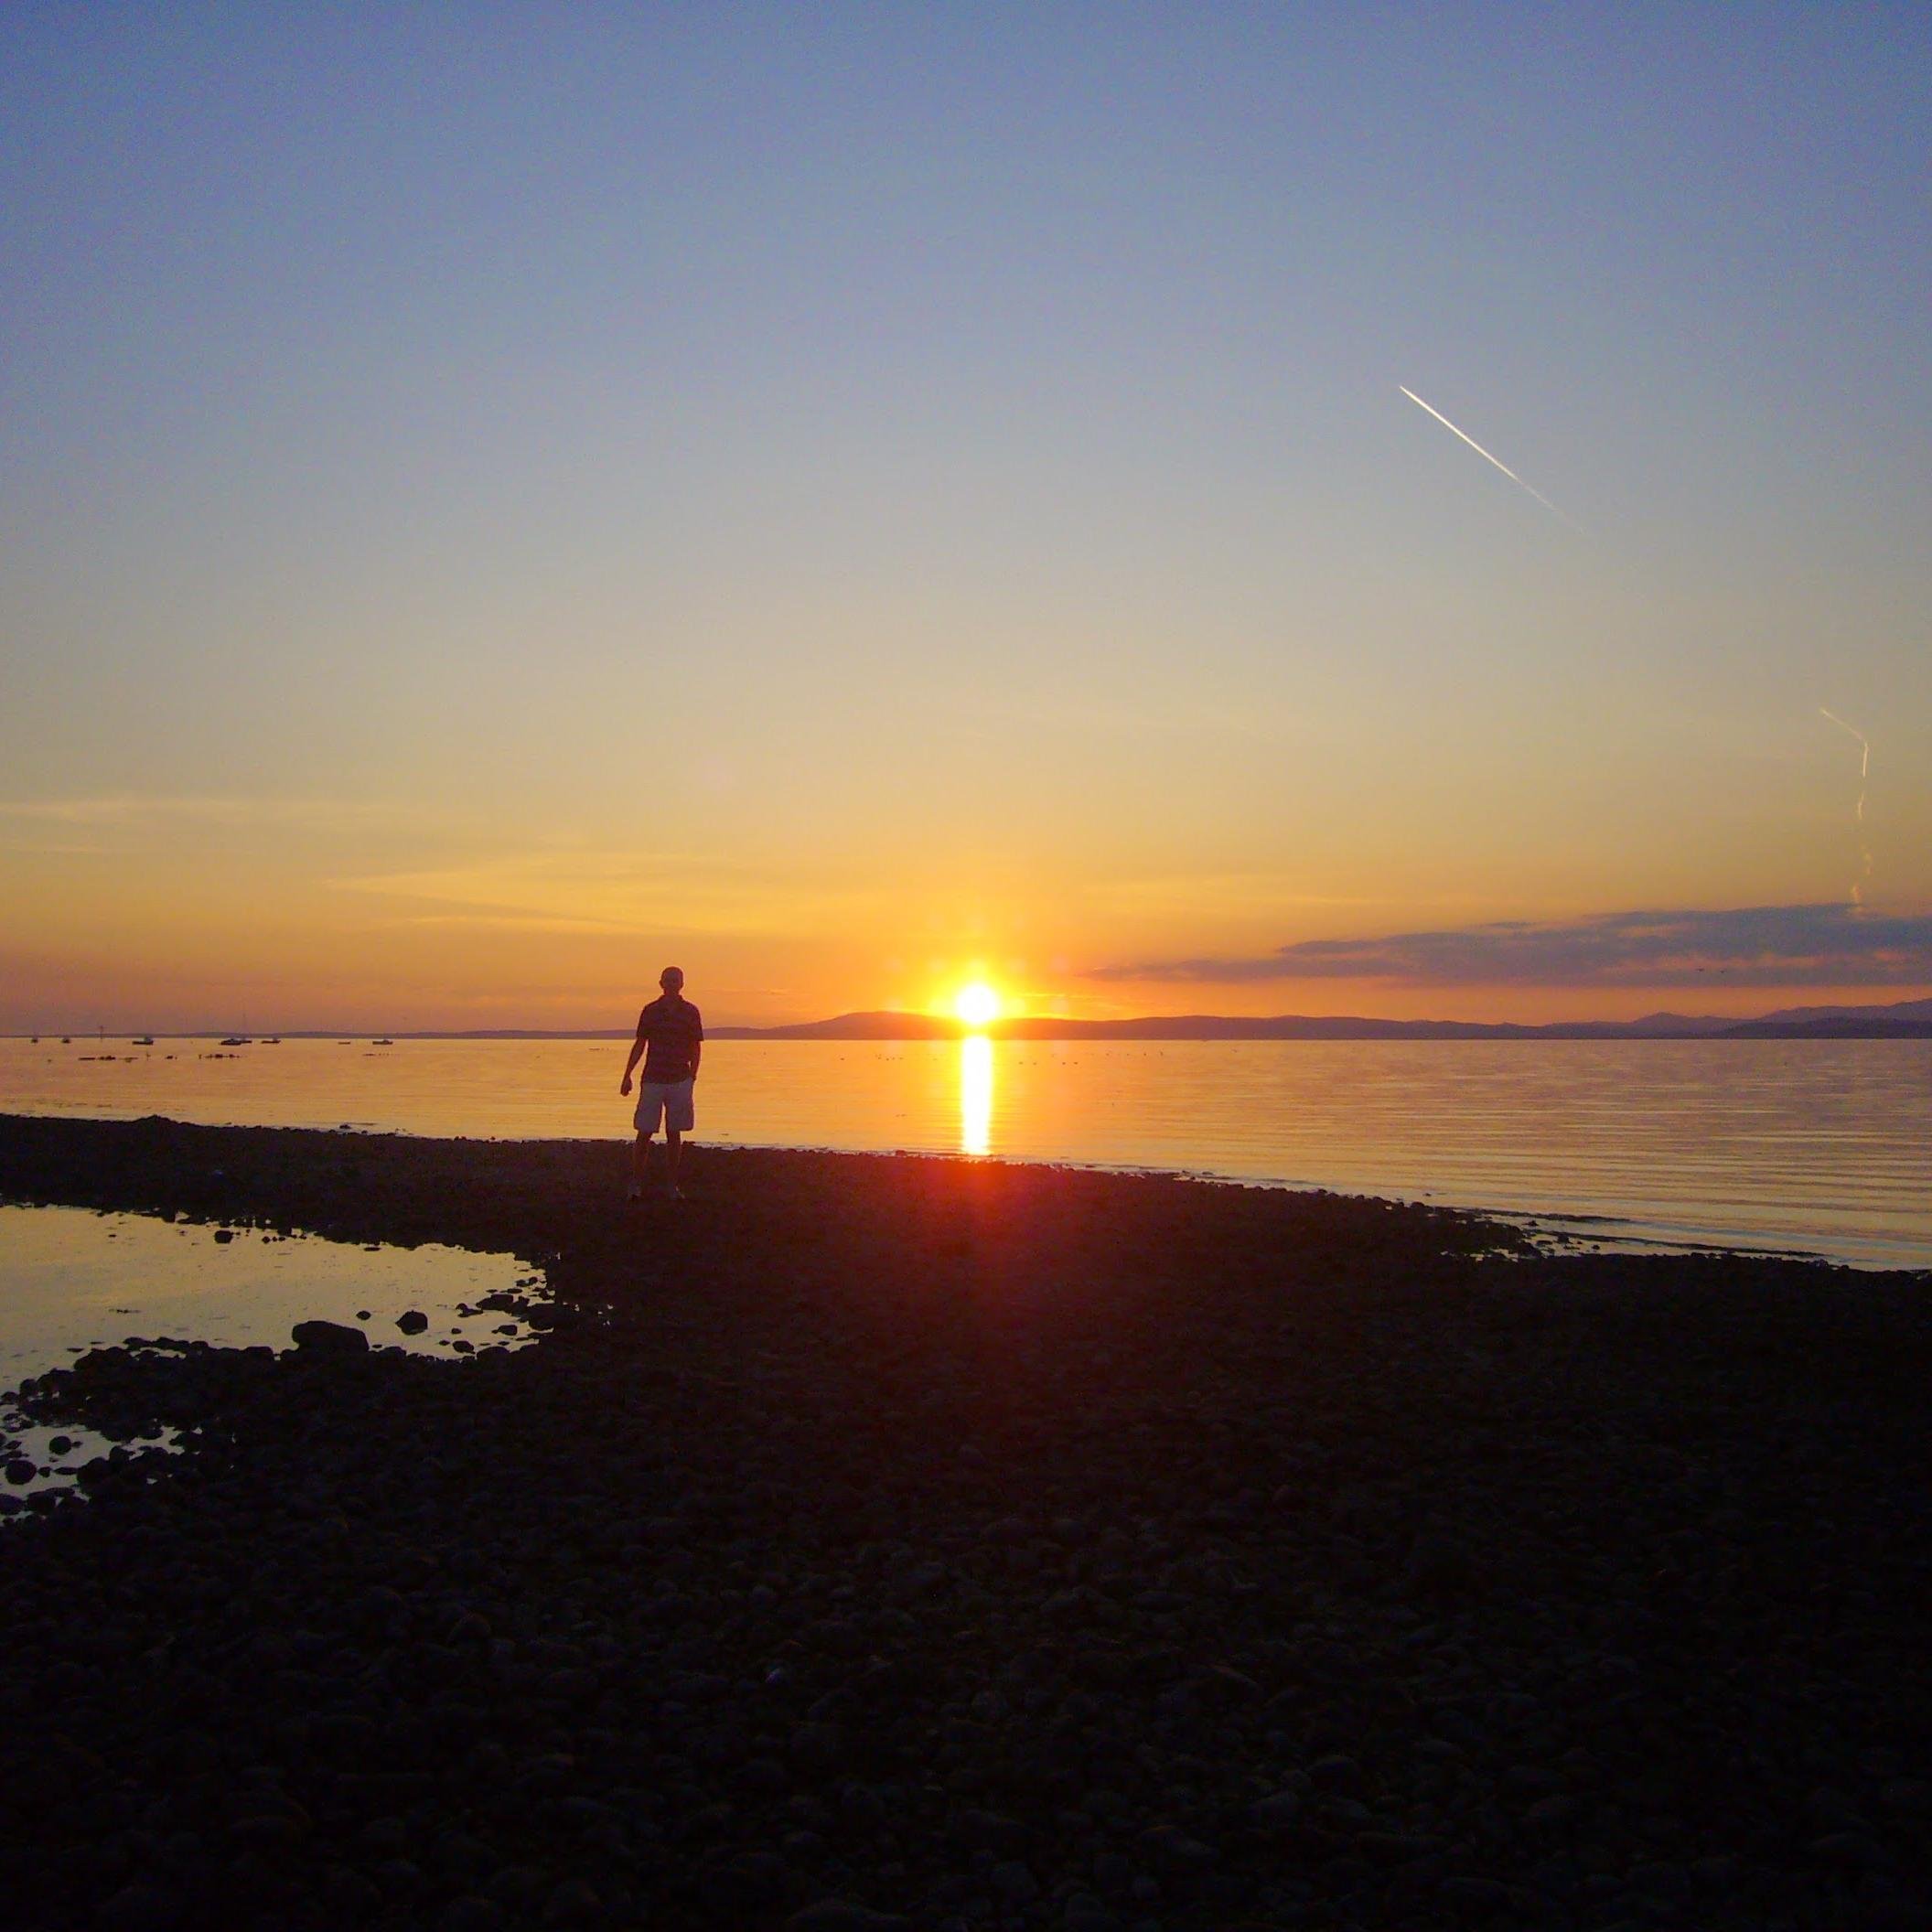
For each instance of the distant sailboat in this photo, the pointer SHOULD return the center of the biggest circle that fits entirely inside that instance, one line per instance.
(382, 1043)
(238, 1039)
(143, 1039)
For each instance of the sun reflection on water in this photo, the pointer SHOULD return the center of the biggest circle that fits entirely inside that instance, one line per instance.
(975, 1094)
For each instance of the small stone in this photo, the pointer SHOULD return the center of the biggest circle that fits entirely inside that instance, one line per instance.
(573, 1903)
(817, 1747)
(1478, 1897)
(140, 1908)
(1350, 1812)
(385, 1835)
(471, 1915)
(766, 1777)
(269, 1831)
(1179, 1851)
(1857, 1850)
(1276, 1810)
(1437, 1570)
(993, 1830)
(1014, 1882)
(838, 1915)
(348, 1896)
(412, 1321)
(1085, 1912)
(1833, 1810)
(1395, 1847)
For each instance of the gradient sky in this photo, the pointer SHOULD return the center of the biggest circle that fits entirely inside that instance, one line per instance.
(497, 497)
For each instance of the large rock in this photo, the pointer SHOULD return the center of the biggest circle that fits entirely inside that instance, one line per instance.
(329, 1339)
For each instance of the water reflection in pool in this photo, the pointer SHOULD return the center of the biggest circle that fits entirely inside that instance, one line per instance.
(71, 1279)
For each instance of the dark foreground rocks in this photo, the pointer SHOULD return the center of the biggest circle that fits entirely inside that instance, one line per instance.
(910, 1543)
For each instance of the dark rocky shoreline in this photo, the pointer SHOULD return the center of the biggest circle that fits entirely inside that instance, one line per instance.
(881, 1540)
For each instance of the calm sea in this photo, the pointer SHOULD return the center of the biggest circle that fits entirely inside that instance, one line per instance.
(1819, 1146)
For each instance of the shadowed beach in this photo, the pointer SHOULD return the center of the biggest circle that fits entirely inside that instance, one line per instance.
(876, 1541)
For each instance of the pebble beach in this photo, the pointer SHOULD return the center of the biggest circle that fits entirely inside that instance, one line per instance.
(889, 1542)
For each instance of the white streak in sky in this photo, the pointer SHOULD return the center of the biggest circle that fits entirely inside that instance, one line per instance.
(1559, 515)
(1865, 772)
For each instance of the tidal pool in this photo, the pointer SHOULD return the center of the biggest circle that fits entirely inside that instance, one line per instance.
(71, 1279)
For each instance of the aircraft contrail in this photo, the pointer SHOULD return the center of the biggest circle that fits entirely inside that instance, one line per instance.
(1562, 516)
(1865, 772)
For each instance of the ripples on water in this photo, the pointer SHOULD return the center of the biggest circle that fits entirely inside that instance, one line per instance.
(1810, 1144)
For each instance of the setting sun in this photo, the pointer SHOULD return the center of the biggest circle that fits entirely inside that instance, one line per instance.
(977, 1004)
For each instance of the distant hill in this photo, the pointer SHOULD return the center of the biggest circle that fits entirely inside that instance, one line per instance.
(1911, 1012)
(1903, 1020)
(1909, 1019)
(1849, 1028)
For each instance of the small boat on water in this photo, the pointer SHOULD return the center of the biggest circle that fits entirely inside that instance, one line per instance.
(238, 1039)
(382, 1042)
(275, 1039)
(143, 1039)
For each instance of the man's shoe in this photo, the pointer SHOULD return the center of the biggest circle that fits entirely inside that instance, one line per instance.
(634, 1193)
(674, 1194)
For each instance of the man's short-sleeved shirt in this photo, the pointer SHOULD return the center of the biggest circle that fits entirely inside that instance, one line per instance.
(671, 1030)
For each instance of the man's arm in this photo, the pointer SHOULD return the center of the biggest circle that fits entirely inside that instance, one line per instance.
(697, 1053)
(637, 1054)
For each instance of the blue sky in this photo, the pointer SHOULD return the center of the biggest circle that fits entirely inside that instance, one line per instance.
(943, 471)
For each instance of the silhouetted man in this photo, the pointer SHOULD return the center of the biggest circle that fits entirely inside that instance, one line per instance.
(670, 1038)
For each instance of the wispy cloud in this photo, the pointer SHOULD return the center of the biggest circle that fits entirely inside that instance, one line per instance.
(580, 889)
(117, 824)
(1749, 946)
(136, 809)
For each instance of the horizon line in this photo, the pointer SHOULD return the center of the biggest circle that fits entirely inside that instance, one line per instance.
(945, 1023)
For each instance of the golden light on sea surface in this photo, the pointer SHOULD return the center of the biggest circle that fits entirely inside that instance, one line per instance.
(978, 1004)
(976, 1094)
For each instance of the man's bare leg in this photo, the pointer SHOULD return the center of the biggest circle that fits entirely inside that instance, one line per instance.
(673, 1151)
(641, 1159)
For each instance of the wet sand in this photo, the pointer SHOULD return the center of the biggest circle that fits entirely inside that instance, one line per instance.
(882, 1541)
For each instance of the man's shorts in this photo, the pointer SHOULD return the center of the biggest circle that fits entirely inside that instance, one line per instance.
(671, 1099)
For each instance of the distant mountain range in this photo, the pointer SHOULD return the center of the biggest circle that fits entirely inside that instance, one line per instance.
(1908, 1019)
(1904, 1020)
